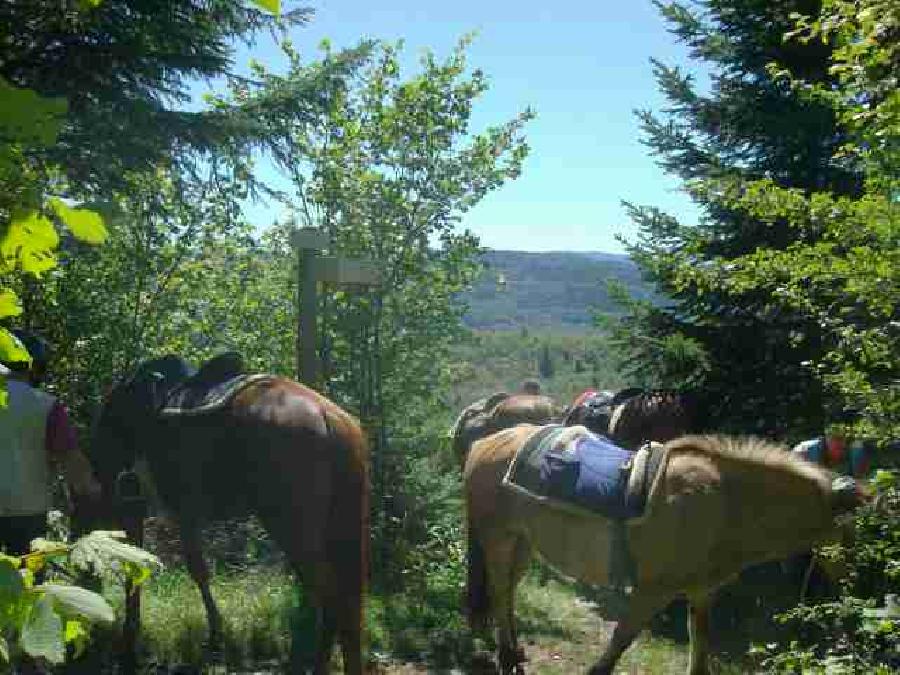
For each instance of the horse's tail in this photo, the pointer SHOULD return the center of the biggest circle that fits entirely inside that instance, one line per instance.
(350, 509)
(478, 603)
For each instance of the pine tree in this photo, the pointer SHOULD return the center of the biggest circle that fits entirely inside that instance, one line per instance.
(747, 352)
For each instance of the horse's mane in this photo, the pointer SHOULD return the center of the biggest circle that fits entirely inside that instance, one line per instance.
(750, 450)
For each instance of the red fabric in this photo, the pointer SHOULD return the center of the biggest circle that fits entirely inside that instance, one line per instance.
(60, 438)
(835, 450)
(583, 396)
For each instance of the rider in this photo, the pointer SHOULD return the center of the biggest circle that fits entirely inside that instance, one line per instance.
(532, 387)
(35, 432)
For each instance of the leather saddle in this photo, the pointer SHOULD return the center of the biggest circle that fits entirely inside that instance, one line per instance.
(210, 388)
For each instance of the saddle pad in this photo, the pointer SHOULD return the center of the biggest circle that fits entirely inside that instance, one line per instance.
(196, 400)
(573, 465)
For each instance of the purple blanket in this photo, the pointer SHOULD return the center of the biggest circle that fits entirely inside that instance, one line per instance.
(588, 472)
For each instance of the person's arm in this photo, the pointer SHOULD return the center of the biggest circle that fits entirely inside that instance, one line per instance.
(62, 449)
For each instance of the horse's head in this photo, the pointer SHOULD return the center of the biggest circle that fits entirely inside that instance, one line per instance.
(847, 494)
(123, 429)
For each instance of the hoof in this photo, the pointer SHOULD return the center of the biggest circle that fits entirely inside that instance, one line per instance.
(511, 661)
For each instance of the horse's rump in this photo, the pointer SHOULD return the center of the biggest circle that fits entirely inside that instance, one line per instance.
(496, 412)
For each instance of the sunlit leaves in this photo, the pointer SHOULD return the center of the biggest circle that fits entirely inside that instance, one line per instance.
(41, 620)
(273, 6)
(79, 602)
(9, 303)
(108, 554)
(76, 634)
(85, 224)
(29, 242)
(11, 350)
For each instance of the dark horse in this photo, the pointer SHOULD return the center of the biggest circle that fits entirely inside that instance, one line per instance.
(265, 445)
(634, 416)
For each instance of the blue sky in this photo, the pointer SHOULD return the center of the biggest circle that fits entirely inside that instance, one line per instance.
(583, 66)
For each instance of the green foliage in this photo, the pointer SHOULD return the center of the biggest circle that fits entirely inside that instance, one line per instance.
(39, 620)
(490, 361)
(749, 126)
(848, 635)
(384, 166)
(79, 117)
(784, 296)
(545, 363)
(793, 265)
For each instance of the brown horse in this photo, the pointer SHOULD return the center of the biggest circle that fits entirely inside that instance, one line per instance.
(716, 505)
(496, 412)
(634, 416)
(272, 447)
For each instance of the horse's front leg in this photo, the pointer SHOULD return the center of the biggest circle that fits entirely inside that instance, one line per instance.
(642, 606)
(196, 565)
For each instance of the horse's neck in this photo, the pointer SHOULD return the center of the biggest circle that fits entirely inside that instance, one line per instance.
(773, 507)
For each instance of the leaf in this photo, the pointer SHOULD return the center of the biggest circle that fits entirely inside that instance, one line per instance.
(42, 634)
(30, 241)
(11, 350)
(77, 635)
(273, 6)
(80, 602)
(11, 585)
(4, 650)
(84, 224)
(9, 303)
(26, 117)
(103, 552)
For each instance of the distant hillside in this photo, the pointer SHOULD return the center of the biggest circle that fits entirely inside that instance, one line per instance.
(559, 290)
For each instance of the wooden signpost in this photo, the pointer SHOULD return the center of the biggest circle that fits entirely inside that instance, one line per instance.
(315, 269)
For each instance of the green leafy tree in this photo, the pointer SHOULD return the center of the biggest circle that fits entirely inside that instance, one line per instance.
(88, 91)
(828, 280)
(386, 168)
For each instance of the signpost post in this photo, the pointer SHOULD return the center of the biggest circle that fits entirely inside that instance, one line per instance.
(313, 270)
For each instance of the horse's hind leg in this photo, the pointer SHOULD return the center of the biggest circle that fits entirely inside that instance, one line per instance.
(326, 626)
(641, 609)
(196, 565)
(507, 559)
(349, 617)
(698, 629)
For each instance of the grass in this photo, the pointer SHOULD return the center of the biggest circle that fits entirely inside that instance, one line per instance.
(424, 631)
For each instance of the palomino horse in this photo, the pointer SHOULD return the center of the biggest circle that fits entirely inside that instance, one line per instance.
(269, 446)
(496, 412)
(633, 416)
(715, 505)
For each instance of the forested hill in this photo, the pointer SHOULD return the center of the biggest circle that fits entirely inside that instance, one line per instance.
(558, 290)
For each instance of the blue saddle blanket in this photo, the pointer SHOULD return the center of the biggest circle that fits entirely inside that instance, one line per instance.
(577, 467)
